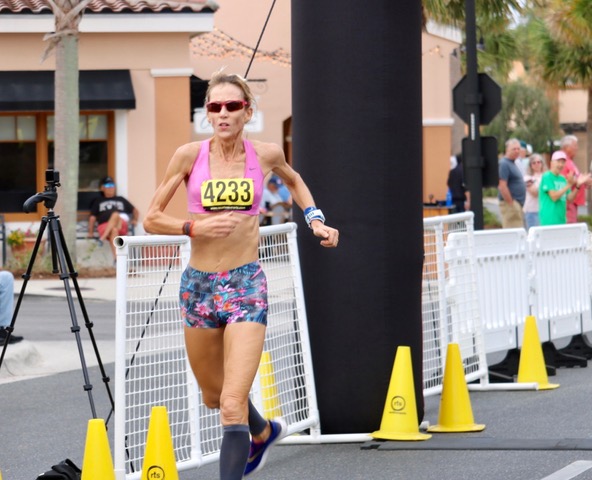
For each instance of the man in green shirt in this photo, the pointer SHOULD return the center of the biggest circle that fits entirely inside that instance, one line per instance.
(555, 191)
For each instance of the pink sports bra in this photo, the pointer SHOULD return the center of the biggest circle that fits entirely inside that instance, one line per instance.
(206, 194)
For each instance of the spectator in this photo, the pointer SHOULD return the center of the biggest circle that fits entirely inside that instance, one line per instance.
(555, 191)
(511, 187)
(522, 160)
(532, 179)
(569, 145)
(113, 214)
(271, 195)
(283, 191)
(6, 307)
(458, 190)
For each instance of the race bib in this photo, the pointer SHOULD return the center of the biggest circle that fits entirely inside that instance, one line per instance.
(227, 194)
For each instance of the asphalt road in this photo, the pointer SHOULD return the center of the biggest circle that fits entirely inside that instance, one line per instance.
(44, 420)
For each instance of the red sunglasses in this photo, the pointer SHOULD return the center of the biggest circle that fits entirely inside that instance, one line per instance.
(231, 106)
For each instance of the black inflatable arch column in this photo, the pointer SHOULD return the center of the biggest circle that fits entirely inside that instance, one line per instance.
(357, 141)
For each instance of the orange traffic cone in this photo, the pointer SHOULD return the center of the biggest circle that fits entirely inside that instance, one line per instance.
(97, 463)
(531, 367)
(159, 457)
(271, 406)
(456, 414)
(399, 419)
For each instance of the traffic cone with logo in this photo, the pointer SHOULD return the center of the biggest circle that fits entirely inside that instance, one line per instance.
(271, 406)
(159, 457)
(97, 463)
(531, 366)
(456, 414)
(399, 418)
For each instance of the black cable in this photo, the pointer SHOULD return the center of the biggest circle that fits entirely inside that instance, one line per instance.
(259, 41)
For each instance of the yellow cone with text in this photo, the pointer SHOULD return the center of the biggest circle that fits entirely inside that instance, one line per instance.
(399, 418)
(97, 463)
(456, 414)
(159, 457)
(271, 406)
(531, 367)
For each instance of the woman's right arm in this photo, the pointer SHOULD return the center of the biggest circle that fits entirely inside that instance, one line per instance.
(156, 221)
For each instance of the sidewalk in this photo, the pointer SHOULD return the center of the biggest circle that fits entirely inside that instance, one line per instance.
(91, 288)
(49, 347)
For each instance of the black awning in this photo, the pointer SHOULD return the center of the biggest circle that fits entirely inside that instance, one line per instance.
(34, 90)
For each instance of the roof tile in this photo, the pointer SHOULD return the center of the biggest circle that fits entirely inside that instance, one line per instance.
(113, 6)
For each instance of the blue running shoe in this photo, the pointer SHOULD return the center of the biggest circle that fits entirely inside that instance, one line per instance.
(258, 452)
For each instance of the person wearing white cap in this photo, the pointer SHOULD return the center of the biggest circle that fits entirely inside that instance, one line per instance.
(555, 191)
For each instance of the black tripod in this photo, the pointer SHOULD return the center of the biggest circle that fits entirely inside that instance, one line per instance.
(62, 264)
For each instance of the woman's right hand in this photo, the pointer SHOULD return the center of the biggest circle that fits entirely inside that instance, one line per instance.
(216, 225)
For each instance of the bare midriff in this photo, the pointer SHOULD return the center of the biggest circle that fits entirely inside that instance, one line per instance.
(222, 254)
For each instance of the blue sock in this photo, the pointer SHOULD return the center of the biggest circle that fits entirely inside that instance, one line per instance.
(234, 452)
(256, 422)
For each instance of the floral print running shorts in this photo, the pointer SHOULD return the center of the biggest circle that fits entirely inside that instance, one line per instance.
(213, 300)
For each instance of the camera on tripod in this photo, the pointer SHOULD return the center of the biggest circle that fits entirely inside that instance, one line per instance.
(50, 194)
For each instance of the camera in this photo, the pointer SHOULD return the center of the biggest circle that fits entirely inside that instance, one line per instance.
(52, 177)
(49, 195)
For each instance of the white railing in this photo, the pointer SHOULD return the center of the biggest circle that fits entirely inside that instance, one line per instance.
(477, 289)
(559, 279)
(545, 273)
(151, 367)
(449, 300)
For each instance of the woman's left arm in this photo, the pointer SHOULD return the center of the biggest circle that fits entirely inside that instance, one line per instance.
(273, 158)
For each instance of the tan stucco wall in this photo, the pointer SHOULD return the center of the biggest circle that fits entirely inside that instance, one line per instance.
(572, 106)
(141, 159)
(436, 142)
(435, 64)
(274, 95)
(439, 74)
(160, 121)
(173, 128)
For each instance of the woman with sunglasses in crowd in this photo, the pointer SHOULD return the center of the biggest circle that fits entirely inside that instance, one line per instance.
(532, 179)
(223, 294)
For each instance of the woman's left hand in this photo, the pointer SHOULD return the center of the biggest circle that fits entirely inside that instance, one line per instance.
(329, 235)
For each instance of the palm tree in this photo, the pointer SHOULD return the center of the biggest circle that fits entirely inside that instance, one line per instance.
(452, 12)
(562, 55)
(64, 40)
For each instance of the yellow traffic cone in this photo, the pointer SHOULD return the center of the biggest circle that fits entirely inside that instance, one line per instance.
(399, 419)
(159, 457)
(456, 414)
(97, 463)
(271, 407)
(531, 367)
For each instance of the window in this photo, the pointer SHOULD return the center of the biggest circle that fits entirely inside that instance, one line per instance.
(27, 150)
(18, 145)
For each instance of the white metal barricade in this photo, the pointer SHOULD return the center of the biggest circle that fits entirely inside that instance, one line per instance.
(502, 279)
(449, 300)
(560, 280)
(151, 367)
(546, 274)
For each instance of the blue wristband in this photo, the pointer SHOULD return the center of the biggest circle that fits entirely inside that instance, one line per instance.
(314, 214)
(308, 210)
